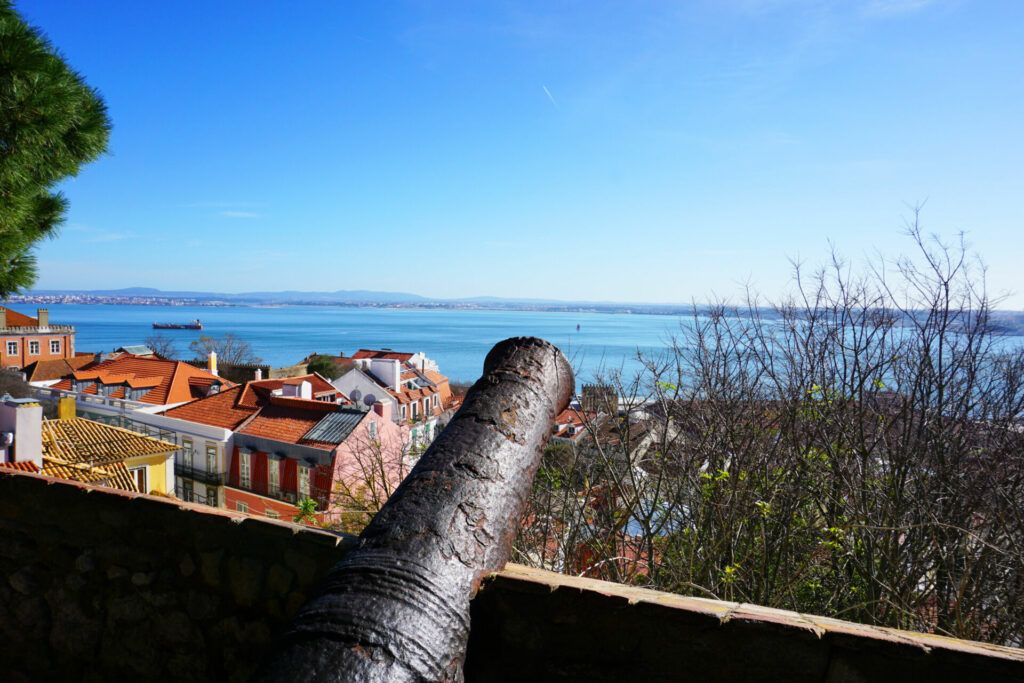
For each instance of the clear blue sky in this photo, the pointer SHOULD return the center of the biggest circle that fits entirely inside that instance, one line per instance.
(613, 151)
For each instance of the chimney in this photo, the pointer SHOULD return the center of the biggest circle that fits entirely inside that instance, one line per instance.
(383, 409)
(3, 317)
(258, 375)
(303, 389)
(22, 419)
(66, 409)
(43, 315)
(211, 363)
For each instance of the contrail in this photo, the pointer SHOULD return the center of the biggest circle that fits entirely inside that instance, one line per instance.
(550, 96)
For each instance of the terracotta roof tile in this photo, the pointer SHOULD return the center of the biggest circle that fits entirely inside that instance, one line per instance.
(256, 390)
(219, 410)
(82, 441)
(114, 475)
(46, 370)
(364, 354)
(178, 382)
(287, 423)
(23, 466)
(572, 423)
(230, 408)
(15, 319)
(95, 453)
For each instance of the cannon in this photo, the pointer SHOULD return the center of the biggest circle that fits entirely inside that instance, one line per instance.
(396, 607)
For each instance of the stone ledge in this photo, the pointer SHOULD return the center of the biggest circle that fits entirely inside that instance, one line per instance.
(731, 611)
(565, 628)
(191, 592)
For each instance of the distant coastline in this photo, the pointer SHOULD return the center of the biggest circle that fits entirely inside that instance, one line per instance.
(343, 299)
(1004, 322)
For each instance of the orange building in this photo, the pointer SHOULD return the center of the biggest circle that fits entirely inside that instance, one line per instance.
(25, 340)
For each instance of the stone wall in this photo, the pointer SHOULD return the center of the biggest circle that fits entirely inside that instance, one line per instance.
(104, 585)
(240, 373)
(545, 626)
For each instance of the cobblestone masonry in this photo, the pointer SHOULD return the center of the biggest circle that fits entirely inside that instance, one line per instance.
(101, 585)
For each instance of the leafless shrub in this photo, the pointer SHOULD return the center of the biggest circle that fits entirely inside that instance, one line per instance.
(855, 450)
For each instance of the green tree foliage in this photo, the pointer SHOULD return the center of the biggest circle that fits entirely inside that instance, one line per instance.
(306, 513)
(51, 123)
(324, 366)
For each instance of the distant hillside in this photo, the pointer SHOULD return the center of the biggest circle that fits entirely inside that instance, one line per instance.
(340, 296)
(1007, 323)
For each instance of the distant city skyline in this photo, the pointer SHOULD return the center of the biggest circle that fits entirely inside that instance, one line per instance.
(573, 151)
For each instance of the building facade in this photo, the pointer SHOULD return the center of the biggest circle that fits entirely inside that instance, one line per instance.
(206, 428)
(73, 448)
(297, 451)
(419, 396)
(25, 340)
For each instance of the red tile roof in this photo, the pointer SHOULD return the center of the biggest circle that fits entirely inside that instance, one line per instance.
(363, 354)
(23, 466)
(15, 319)
(231, 408)
(45, 370)
(443, 388)
(264, 387)
(222, 409)
(571, 423)
(171, 381)
(288, 419)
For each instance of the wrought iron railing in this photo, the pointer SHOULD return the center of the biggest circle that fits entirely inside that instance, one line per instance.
(195, 474)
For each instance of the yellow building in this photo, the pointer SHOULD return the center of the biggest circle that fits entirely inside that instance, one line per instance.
(95, 453)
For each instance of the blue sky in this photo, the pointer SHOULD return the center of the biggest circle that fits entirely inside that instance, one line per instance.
(607, 151)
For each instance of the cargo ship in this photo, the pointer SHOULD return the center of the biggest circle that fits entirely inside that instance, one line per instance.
(194, 325)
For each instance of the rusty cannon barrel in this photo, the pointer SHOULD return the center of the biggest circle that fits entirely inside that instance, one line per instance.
(396, 608)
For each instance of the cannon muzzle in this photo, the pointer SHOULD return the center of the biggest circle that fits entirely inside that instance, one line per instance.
(396, 608)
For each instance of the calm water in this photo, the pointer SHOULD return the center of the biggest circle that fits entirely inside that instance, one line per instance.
(458, 340)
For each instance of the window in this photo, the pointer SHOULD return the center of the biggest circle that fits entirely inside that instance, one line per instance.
(211, 495)
(12, 348)
(186, 452)
(55, 346)
(274, 474)
(186, 490)
(373, 429)
(139, 475)
(241, 507)
(435, 400)
(243, 469)
(414, 407)
(403, 412)
(211, 459)
(33, 348)
(272, 514)
(303, 481)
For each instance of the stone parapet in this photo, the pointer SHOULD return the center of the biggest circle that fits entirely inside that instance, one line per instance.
(99, 584)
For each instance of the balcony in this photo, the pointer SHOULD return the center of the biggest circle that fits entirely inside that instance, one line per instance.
(277, 493)
(189, 472)
(190, 496)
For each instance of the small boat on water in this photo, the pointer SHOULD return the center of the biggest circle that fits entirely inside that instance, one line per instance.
(194, 325)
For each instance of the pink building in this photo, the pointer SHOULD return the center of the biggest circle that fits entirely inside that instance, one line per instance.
(296, 439)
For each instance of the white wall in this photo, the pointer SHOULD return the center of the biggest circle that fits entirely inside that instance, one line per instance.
(368, 391)
(388, 371)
